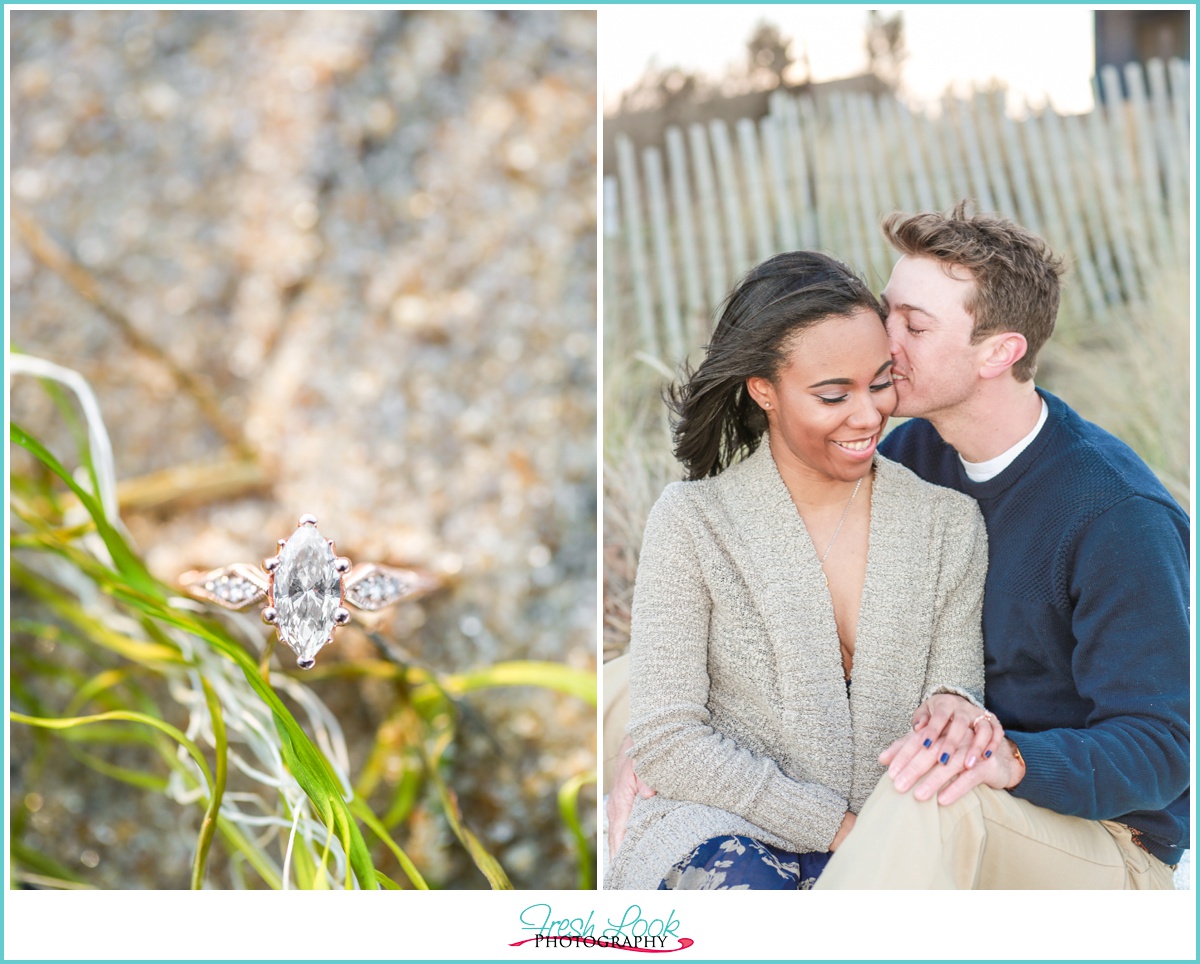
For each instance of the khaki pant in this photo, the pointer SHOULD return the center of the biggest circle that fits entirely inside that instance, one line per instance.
(987, 840)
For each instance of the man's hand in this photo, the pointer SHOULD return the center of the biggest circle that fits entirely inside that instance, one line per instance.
(950, 736)
(627, 786)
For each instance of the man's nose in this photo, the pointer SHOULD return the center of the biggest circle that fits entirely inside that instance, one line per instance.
(893, 336)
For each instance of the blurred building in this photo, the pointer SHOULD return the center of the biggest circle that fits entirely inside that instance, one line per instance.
(1124, 36)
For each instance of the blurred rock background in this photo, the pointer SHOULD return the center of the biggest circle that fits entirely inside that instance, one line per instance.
(338, 262)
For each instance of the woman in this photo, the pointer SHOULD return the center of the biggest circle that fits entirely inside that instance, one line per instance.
(766, 584)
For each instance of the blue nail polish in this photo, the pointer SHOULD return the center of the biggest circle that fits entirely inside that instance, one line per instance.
(945, 758)
(988, 753)
(928, 743)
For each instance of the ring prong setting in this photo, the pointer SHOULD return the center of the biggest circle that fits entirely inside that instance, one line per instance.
(270, 615)
(342, 564)
(341, 616)
(307, 520)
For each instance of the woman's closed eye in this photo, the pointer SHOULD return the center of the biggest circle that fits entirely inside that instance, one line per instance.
(835, 399)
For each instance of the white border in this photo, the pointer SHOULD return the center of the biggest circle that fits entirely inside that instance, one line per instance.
(481, 925)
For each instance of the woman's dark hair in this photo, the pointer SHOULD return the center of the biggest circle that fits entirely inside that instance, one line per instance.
(716, 420)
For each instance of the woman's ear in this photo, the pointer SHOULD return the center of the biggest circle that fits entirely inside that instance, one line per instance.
(762, 391)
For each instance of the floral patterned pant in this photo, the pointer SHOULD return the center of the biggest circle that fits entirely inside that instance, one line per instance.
(743, 863)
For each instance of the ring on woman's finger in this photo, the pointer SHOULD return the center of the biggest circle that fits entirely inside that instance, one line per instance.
(982, 716)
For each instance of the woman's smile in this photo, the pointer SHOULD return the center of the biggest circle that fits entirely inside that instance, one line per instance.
(860, 448)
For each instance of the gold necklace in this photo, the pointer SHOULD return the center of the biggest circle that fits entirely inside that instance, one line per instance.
(845, 513)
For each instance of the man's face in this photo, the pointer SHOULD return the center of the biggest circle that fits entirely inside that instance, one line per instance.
(936, 368)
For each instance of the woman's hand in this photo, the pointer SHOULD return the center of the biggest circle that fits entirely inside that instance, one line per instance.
(627, 786)
(950, 735)
(843, 831)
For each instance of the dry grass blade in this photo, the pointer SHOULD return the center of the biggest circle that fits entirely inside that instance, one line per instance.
(48, 253)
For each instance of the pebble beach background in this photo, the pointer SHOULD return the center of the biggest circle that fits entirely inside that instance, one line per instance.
(355, 251)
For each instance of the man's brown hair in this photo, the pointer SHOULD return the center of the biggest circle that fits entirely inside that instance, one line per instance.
(1016, 274)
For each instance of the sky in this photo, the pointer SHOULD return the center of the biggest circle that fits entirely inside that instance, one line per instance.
(1040, 51)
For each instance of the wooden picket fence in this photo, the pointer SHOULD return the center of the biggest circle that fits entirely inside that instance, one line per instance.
(1109, 189)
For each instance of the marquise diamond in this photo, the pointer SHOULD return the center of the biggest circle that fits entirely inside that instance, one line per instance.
(306, 593)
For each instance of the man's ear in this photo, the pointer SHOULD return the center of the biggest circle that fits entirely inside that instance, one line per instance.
(761, 390)
(1001, 352)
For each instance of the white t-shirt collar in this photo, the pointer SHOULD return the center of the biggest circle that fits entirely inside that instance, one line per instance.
(983, 471)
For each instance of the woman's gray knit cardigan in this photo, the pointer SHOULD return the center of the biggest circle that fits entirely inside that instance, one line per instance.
(738, 706)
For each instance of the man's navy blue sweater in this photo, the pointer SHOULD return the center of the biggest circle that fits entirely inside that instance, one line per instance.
(1086, 622)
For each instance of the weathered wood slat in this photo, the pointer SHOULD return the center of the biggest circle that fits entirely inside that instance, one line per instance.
(1069, 142)
(710, 216)
(731, 198)
(1171, 153)
(956, 168)
(752, 171)
(902, 195)
(922, 171)
(787, 112)
(1108, 197)
(1081, 293)
(986, 104)
(823, 203)
(636, 246)
(980, 187)
(612, 270)
(685, 234)
(1028, 210)
(1149, 176)
(1124, 151)
(660, 234)
(853, 248)
(867, 177)
(943, 190)
(785, 217)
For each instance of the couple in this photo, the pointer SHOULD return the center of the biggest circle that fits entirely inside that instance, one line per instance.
(811, 614)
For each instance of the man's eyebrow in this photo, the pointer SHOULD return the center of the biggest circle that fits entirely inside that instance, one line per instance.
(850, 381)
(907, 307)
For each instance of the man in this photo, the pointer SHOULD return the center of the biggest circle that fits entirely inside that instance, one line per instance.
(1085, 618)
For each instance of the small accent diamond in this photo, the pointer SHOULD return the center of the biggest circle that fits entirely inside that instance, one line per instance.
(233, 589)
(378, 590)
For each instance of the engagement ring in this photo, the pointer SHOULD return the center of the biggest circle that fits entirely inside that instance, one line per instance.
(307, 589)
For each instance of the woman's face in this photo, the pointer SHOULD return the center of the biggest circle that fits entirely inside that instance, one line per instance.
(828, 406)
